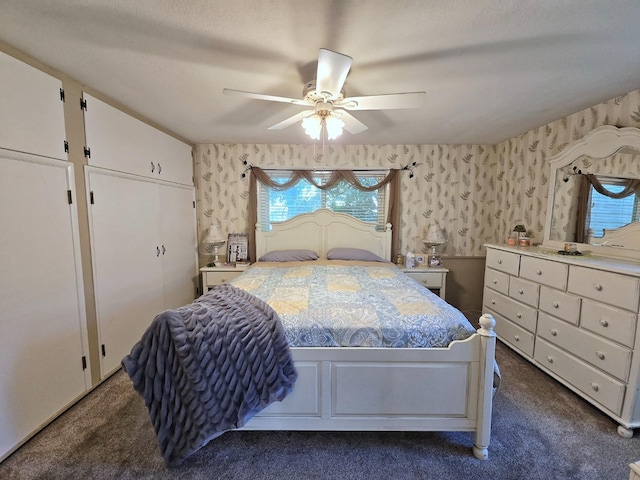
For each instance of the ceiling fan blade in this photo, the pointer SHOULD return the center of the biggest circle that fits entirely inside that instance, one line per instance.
(333, 69)
(298, 117)
(260, 96)
(384, 102)
(351, 123)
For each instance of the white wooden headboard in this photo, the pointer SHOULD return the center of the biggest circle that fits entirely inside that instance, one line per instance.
(322, 230)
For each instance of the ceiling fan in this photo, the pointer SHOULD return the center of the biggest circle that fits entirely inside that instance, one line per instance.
(326, 96)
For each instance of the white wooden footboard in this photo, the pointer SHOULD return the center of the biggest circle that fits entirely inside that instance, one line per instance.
(406, 389)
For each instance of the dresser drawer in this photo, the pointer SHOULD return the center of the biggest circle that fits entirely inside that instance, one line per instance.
(612, 288)
(428, 279)
(613, 359)
(519, 313)
(524, 291)
(218, 278)
(512, 334)
(560, 304)
(547, 272)
(496, 280)
(603, 389)
(612, 323)
(506, 262)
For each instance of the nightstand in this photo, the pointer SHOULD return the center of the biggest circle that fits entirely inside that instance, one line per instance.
(434, 278)
(212, 276)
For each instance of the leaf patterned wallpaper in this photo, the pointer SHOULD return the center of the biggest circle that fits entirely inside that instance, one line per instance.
(475, 193)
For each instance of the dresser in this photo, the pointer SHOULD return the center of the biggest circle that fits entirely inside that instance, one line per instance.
(576, 318)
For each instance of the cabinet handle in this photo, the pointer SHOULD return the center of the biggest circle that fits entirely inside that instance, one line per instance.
(604, 323)
(598, 287)
(549, 359)
(159, 168)
(519, 315)
(157, 251)
(516, 338)
(554, 332)
(163, 249)
(153, 167)
(520, 291)
(595, 387)
(539, 272)
(555, 305)
(600, 355)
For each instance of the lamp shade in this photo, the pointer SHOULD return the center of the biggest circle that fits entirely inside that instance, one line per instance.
(214, 235)
(434, 236)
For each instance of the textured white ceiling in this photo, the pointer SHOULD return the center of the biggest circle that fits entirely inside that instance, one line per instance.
(492, 69)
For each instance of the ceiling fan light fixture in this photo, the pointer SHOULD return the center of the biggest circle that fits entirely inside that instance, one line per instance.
(334, 127)
(323, 120)
(313, 126)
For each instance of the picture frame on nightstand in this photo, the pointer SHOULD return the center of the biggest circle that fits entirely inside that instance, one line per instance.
(237, 248)
(420, 259)
(434, 261)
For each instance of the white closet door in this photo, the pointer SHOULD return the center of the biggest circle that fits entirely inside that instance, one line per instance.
(42, 316)
(127, 261)
(32, 117)
(178, 236)
(121, 142)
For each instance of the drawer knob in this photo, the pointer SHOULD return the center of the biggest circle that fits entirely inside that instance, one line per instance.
(598, 287)
(519, 315)
(516, 338)
(554, 332)
(600, 355)
(604, 323)
(556, 304)
(539, 272)
(499, 261)
(495, 281)
(520, 291)
(493, 302)
(549, 359)
(595, 387)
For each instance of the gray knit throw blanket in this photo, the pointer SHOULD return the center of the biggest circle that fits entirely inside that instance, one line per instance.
(208, 367)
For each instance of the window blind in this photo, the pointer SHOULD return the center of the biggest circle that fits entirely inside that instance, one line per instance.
(279, 205)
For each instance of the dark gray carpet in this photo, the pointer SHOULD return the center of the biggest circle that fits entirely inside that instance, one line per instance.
(541, 430)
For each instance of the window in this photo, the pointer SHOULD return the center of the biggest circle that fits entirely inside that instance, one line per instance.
(278, 205)
(609, 213)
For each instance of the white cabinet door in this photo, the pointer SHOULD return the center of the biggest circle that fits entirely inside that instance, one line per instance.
(127, 263)
(42, 313)
(179, 247)
(120, 142)
(32, 117)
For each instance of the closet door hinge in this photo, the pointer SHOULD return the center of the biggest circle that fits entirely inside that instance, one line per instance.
(66, 147)
(62, 94)
(83, 104)
(69, 197)
(194, 204)
(84, 362)
(87, 152)
(91, 197)
(104, 351)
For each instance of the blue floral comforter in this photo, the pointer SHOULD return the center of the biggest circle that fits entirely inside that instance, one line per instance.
(332, 304)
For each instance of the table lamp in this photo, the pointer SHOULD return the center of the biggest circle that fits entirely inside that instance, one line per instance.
(433, 239)
(216, 239)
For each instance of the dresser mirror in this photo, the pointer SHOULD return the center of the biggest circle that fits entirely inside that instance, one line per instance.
(585, 179)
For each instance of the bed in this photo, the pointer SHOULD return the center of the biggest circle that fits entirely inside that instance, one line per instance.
(354, 377)
(373, 388)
